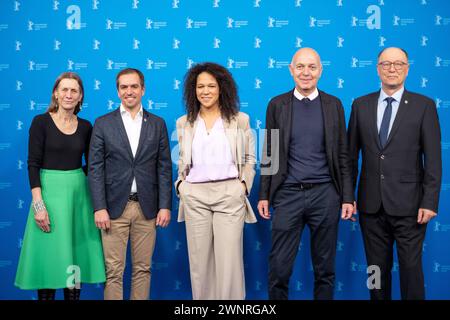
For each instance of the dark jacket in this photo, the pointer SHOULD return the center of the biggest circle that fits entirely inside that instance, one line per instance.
(274, 161)
(406, 174)
(112, 166)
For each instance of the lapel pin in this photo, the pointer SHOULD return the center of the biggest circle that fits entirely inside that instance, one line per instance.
(406, 101)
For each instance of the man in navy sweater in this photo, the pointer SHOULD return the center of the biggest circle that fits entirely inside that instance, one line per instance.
(305, 176)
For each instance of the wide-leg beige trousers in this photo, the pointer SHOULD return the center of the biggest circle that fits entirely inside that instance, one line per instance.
(214, 215)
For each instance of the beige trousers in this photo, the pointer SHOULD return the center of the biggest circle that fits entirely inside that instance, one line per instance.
(214, 215)
(142, 233)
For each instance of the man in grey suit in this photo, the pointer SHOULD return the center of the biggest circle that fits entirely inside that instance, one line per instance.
(130, 176)
(398, 134)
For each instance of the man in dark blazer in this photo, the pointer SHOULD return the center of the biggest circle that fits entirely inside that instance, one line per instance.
(305, 176)
(130, 177)
(398, 134)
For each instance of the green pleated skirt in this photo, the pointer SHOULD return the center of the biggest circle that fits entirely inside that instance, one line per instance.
(72, 251)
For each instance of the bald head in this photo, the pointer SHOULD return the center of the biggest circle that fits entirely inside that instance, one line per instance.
(306, 53)
(306, 70)
(393, 50)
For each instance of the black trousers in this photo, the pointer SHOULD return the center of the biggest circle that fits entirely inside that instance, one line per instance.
(318, 208)
(49, 294)
(379, 232)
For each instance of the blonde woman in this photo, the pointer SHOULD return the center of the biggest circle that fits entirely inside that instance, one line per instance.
(61, 240)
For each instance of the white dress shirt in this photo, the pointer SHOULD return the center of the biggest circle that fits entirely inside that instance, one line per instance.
(311, 97)
(133, 129)
(383, 104)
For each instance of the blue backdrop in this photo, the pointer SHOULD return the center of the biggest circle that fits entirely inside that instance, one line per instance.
(255, 39)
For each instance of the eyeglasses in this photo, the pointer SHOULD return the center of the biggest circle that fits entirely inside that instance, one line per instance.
(398, 65)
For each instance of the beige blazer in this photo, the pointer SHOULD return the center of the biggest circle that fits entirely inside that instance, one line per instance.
(242, 143)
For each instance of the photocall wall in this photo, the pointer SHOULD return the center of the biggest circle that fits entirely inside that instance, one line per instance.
(255, 40)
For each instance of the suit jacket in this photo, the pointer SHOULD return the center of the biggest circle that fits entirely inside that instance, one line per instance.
(112, 166)
(242, 143)
(274, 163)
(405, 175)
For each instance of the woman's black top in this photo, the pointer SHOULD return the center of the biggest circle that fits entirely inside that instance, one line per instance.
(50, 148)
